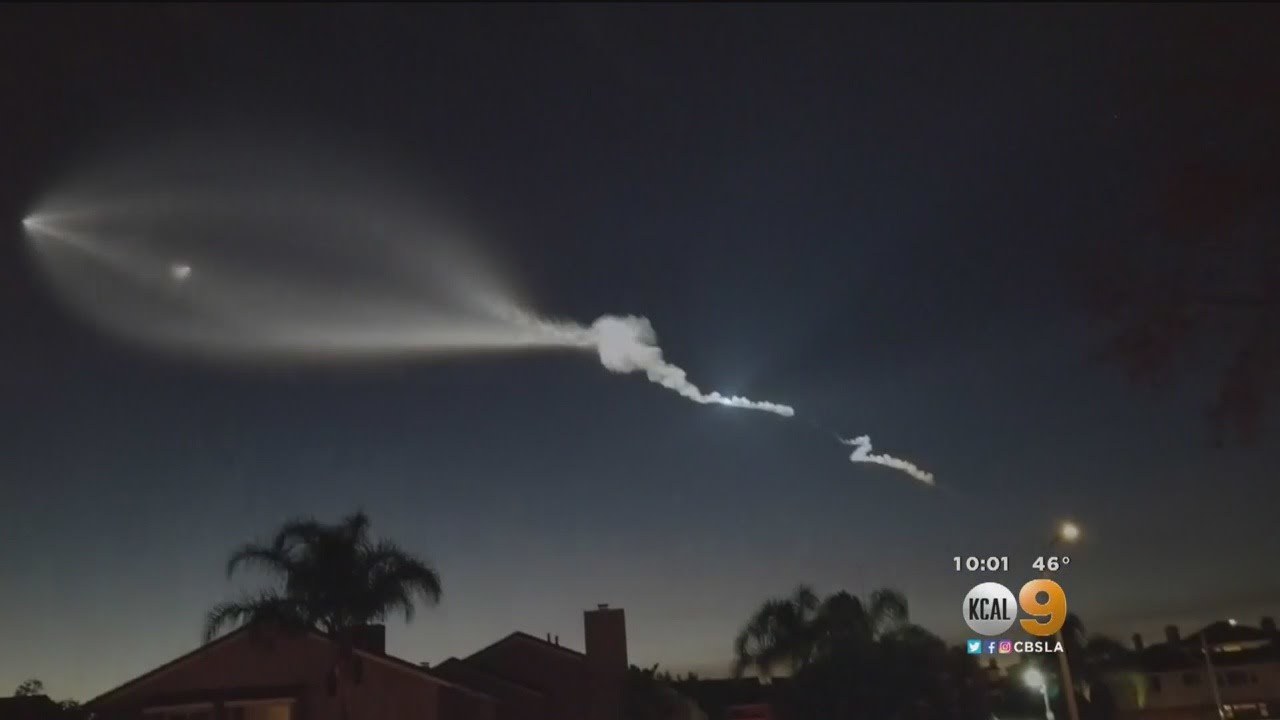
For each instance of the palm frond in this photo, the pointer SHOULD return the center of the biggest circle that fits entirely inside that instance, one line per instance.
(397, 580)
(224, 614)
(355, 527)
(804, 598)
(268, 558)
(299, 530)
(776, 634)
(334, 576)
(266, 607)
(888, 610)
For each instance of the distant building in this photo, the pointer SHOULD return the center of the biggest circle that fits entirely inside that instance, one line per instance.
(259, 674)
(1171, 680)
(536, 679)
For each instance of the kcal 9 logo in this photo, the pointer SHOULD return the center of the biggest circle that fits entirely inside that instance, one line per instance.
(989, 608)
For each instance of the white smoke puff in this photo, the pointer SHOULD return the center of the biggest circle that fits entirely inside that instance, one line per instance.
(862, 453)
(629, 344)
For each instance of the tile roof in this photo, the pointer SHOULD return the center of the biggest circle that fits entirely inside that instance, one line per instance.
(316, 634)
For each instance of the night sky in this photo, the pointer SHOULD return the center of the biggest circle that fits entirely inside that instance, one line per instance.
(868, 213)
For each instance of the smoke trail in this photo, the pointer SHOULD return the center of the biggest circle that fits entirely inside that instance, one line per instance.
(862, 453)
(304, 258)
(629, 344)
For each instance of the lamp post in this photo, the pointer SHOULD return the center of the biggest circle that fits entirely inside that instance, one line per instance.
(1067, 532)
(1035, 680)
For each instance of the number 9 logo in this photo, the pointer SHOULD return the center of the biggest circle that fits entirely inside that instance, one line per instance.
(1052, 612)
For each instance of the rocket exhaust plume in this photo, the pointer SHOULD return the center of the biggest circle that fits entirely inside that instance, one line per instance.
(862, 453)
(629, 344)
(263, 261)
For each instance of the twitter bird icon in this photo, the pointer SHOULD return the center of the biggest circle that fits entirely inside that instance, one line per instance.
(974, 647)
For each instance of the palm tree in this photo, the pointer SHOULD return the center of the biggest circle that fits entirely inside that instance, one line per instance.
(796, 631)
(332, 578)
(779, 634)
(844, 620)
(849, 657)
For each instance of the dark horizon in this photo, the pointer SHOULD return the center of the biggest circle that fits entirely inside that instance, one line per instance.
(877, 214)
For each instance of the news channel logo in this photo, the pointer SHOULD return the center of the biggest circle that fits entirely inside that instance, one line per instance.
(991, 609)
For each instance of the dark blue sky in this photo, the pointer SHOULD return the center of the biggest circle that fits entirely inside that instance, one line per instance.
(868, 213)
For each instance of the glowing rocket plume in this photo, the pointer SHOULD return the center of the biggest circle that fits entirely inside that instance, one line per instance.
(311, 261)
(862, 453)
(629, 344)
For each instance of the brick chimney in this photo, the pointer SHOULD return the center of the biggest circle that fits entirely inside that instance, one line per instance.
(605, 631)
(1172, 635)
(1137, 642)
(606, 637)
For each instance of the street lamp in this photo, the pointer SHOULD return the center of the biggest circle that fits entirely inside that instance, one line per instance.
(1035, 680)
(1068, 532)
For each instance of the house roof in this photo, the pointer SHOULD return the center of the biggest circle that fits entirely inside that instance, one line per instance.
(167, 666)
(1223, 632)
(462, 667)
(524, 637)
(1187, 653)
(1189, 659)
(311, 633)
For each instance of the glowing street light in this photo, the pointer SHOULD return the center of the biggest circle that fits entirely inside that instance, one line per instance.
(1035, 680)
(1069, 532)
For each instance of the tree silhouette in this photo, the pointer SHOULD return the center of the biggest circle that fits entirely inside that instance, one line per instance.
(847, 658)
(332, 578)
(648, 694)
(29, 688)
(792, 632)
(1194, 288)
(1199, 272)
(777, 635)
